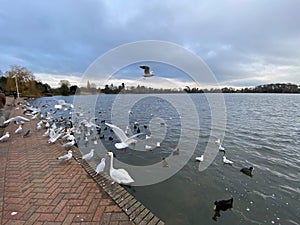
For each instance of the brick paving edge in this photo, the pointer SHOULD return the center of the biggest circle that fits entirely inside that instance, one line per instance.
(134, 209)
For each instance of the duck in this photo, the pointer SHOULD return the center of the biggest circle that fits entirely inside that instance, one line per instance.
(223, 205)
(247, 171)
(164, 162)
(121, 176)
(176, 151)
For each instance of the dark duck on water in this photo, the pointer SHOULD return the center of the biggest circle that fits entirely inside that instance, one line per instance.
(247, 171)
(222, 205)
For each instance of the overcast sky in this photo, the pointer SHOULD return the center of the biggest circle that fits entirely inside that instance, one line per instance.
(244, 43)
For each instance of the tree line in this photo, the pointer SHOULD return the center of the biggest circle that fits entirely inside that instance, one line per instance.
(29, 87)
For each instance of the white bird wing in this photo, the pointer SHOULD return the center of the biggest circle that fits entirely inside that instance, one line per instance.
(146, 69)
(118, 131)
(131, 139)
(17, 118)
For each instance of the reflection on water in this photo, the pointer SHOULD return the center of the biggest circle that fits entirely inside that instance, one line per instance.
(262, 131)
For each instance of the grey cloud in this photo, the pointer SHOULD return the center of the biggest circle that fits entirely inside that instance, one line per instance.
(65, 37)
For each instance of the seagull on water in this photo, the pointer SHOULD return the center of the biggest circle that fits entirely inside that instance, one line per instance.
(101, 166)
(221, 148)
(148, 147)
(125, 141)
(66, 156)
(227, 161)
(62, 104)
(200, 158)
(147, 72)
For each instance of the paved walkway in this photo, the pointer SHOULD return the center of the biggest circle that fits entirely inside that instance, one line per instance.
(35, 188)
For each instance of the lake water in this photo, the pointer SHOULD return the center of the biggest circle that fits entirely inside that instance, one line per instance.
(262, 130)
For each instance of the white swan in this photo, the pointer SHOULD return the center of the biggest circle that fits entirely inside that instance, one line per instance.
(125, 141)
(120, 176)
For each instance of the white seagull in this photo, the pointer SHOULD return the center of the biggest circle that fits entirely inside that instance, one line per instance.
(221, 148)
(66, 156)
(200, 159)
(19, 129)
(226, 161)
(101, 166)
(62, 104)
(120, 176)
(4, 137)
(69, 144)
(89, 155)
(218, 141)
(125, 141)
(147, 72)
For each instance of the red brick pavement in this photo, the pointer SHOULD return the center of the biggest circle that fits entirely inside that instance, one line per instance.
(36, 188)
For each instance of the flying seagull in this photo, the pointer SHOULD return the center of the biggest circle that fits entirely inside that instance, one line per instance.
(125, 141)
(17, 119)
(147, 72)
